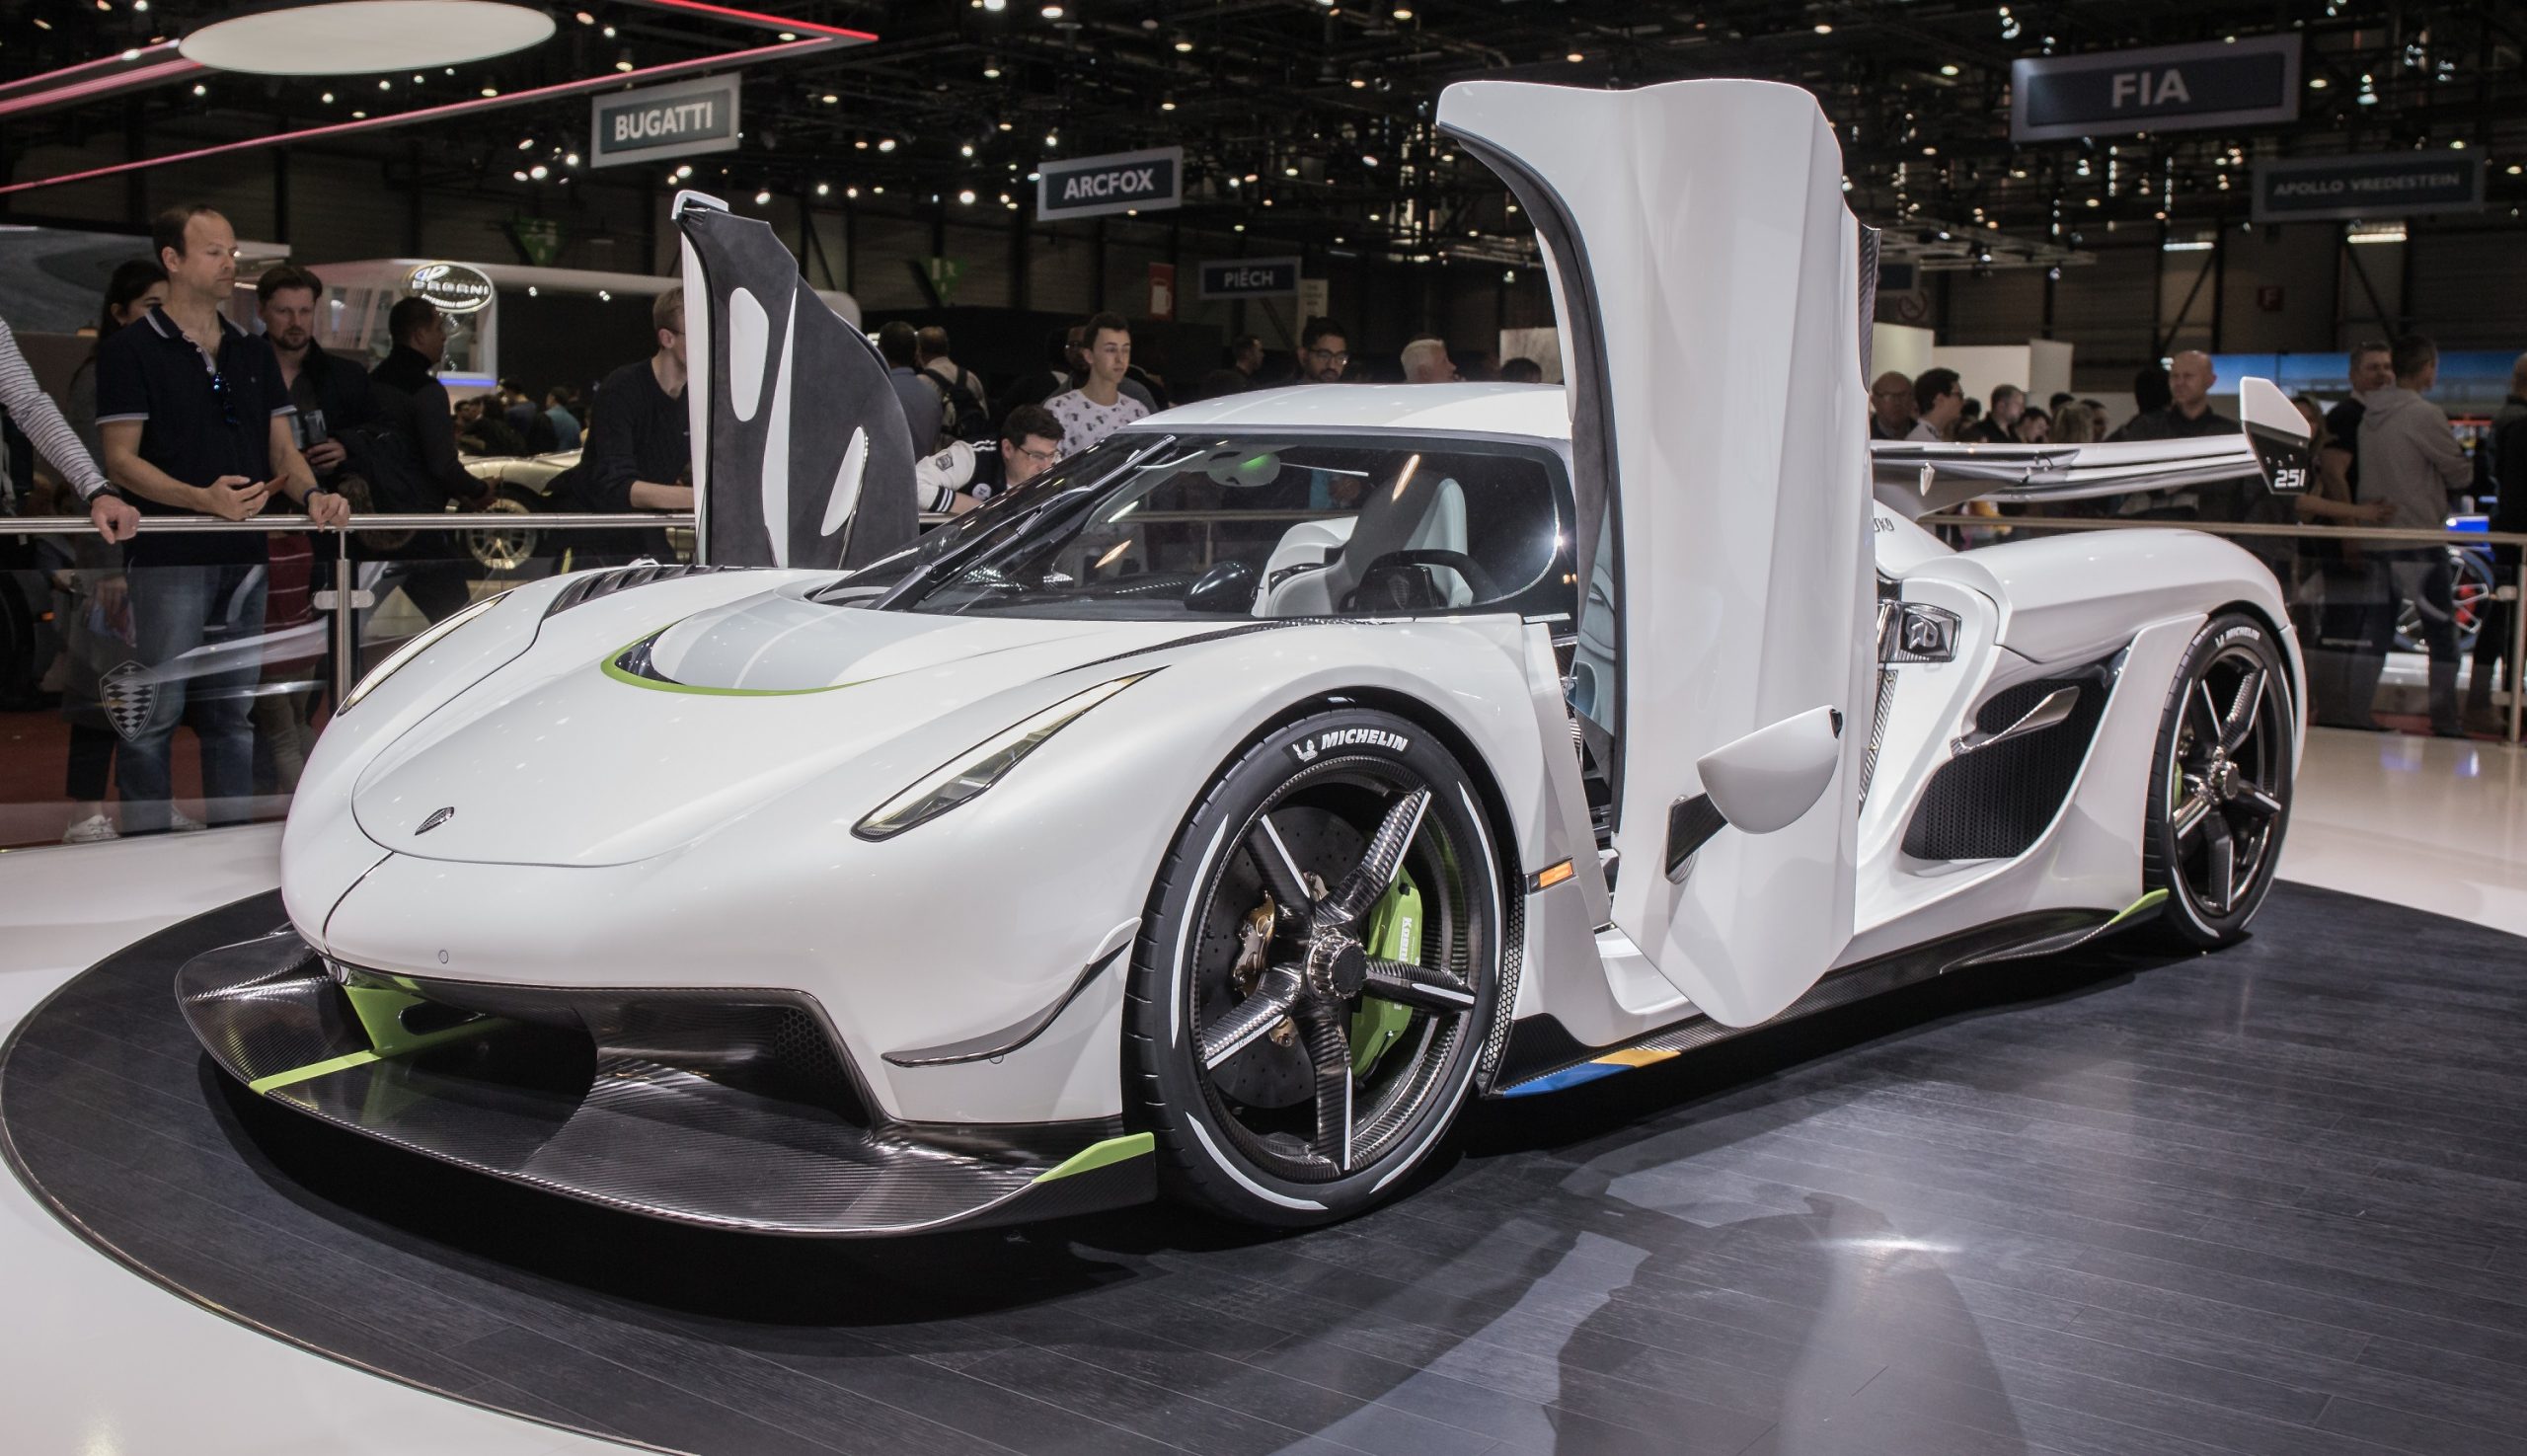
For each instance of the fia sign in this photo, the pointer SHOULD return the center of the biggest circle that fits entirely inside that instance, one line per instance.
(2169, 88)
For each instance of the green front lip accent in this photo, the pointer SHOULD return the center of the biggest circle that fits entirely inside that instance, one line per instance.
(2142, 907)
(1102, 1155)
(380, 1007)
(609, 664)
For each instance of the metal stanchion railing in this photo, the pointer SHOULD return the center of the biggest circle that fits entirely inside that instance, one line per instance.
(344, 601)
(2404, 536)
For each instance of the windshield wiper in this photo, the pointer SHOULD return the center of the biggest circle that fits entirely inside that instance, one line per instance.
(918, 581)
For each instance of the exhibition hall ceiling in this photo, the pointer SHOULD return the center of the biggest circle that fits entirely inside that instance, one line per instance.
(1317, 112)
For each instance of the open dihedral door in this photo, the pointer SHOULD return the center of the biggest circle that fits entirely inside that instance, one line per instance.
(800, 451)
(1707, 278)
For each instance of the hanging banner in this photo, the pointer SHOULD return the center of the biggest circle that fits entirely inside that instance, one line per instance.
(2387, 185)
(2168, 88)
(1123, 181)
(1162, 292)
(539, 239)
(1250, 278)
(684, 120)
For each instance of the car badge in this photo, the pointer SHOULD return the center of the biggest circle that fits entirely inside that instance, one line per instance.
(438, 817)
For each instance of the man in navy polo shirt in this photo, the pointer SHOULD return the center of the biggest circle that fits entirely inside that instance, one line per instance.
(195, 421)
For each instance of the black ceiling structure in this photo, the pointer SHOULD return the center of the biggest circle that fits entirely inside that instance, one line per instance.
(1311, 121)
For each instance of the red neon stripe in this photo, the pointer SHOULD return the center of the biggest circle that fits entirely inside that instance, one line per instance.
(108, 85)
(66, 73)
(451, 108)
(758, 18)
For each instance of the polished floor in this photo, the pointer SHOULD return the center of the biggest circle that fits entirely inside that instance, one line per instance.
(2261, 1203)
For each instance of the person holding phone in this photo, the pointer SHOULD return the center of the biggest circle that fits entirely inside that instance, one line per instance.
(196, 422)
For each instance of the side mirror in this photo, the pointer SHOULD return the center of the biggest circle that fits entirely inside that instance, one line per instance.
(1228, 586)
(1766, 780)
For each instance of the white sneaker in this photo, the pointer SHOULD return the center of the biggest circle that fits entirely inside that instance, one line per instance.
(94, 829)
(180, 822)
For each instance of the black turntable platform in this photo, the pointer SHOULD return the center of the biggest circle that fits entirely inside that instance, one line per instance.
(2270, 1201)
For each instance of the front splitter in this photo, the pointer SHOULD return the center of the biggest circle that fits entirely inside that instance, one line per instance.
(637, 1127)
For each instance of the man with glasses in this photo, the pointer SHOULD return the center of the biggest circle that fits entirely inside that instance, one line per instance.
(1325, 351)
(195, 421)
(960, 477)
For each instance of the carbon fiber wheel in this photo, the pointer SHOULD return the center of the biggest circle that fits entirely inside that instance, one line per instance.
(2220, 793)
(1316, 971)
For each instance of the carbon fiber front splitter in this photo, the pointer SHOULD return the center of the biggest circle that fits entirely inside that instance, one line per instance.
(727, 1108)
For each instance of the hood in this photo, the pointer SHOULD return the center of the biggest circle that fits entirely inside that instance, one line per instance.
(2385, 404)
(569, 759)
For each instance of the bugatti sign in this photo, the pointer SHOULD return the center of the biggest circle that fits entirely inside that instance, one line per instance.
(2169, 88)
(1123, 181)
(684, 120)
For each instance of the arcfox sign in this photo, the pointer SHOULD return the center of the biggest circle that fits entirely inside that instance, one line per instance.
(1121, 182)
(2170, 88)
(684, 120)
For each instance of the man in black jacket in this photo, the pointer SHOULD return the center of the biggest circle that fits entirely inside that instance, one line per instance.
(413, 410)
(639, 450)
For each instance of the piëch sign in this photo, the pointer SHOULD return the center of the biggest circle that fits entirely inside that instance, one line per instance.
(684, 120)
(1123, 181)
(454, 288)
(2170, 88)
(1250, 277)
(2388, 184)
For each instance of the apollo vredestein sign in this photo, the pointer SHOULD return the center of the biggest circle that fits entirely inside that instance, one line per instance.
(2168, 88)
(684, 119)
(1120, 181)
(2385, 185)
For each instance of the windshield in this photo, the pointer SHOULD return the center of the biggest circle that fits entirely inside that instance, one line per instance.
(1155, 526)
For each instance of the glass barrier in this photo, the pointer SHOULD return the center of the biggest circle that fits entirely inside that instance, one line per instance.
(2404, 631)
(185, 691)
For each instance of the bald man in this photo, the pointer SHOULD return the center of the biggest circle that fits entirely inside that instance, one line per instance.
(2188, 415)
(1892, 410)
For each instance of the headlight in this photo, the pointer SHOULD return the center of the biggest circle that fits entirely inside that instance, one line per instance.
(396, 659)
(978, 768)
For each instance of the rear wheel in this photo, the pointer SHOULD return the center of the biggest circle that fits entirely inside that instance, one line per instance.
(1316, 972)
(2220, 793)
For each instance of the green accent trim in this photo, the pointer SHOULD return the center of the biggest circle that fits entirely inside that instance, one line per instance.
(2142, 907)
(607, 664)
(311, 1072)
(1103, 1155)
(1394, 934)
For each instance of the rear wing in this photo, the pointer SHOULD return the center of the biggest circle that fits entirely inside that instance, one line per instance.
(1917, 478)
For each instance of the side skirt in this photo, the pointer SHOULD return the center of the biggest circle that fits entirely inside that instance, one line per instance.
(1542, 1057)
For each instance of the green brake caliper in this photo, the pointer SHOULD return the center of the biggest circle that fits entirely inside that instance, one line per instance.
(1395, 933)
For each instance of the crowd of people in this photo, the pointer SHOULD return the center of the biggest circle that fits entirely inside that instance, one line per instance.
(178, 410)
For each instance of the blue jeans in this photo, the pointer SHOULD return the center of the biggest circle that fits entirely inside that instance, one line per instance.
(176, 610)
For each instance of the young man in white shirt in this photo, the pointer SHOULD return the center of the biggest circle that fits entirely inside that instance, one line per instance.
(1099, 408)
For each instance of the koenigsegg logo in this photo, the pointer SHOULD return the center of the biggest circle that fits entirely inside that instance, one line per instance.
(1308, 749)
(438, 817)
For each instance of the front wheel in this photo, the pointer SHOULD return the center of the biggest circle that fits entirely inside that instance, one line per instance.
(2220, 790)
(1316, 972)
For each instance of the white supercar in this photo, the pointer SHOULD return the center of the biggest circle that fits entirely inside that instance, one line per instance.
(1218, 813)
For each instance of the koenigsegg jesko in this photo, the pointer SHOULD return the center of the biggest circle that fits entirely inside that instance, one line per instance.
(1218, 812)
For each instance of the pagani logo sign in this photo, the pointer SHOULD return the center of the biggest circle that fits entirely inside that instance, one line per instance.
(454, 288)
(1308, 749)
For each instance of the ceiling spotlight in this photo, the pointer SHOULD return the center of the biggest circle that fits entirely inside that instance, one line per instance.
(1948, 70)
(385, 85)
(2315, 83)
(851, 191)
(585, 19)
(539, 172)
(1167, 102)
(1823, 28)
(609, 33)
(1289, 172)
(1053, 12)
(1404, 12)
(328, 98)
(622, 62)
(829, 98)
(1052, 138)
(201, 91)
(1576, 58)
(569, 159)
(490, 90)
(526, 143)
(966, 196)
(824, 188)
(967, 149)
(1184, 46)
(518, 175)
(995, 6)
(684, 172)
(1359, 83)
(992, 72)
(1367, 160)
(763, 196)
(885, 143)
(860, 144)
